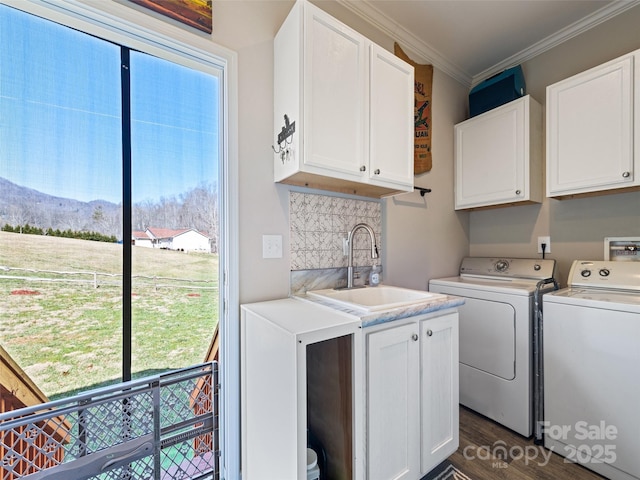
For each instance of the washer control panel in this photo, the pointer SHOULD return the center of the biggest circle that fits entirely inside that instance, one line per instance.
(529, 268)
(605, 274)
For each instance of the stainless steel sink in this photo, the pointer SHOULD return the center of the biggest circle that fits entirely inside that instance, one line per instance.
(371, 299)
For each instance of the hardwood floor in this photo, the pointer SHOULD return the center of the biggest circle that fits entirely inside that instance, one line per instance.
(481, 437)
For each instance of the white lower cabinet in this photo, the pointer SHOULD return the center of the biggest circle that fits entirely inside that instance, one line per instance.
(412, 395)
(300, 374)
(439, 383)
(393, 394)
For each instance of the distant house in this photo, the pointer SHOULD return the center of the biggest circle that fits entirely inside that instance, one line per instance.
(186, 239)
(141, 239)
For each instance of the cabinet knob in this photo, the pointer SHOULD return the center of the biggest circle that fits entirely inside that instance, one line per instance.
(414, 337)
(363, 168)
(518, 192)
(429, 333)
(626, 174)
(377, 171)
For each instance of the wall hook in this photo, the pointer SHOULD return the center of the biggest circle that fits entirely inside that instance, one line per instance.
(285, 137)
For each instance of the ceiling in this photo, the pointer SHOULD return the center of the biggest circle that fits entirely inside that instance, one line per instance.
(473, 39)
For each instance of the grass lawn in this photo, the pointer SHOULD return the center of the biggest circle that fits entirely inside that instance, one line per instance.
(68, 336)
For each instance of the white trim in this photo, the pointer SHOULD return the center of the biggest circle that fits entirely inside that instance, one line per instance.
(410, 43)
(143, 32)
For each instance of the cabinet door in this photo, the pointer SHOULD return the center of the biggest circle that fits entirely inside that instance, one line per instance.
(335, 91)
(393, 433)
(590, 130)
(391, 119)
(491, 156)
(440, 397)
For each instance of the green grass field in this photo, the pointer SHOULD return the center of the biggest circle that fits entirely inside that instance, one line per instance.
(68, 336)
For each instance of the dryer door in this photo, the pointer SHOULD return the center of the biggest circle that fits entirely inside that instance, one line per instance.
(488, 336)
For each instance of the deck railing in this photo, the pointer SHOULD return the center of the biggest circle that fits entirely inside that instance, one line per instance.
(161, 427)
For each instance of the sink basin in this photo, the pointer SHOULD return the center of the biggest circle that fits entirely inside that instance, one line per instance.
(372, 299)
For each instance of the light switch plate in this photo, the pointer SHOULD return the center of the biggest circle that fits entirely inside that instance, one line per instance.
(271, 246)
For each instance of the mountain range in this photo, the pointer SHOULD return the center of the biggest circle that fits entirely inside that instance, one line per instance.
(21, 205)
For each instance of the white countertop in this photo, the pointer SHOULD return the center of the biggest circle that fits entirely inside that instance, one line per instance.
(375, 318)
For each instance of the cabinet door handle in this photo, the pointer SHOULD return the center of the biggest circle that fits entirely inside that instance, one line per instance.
(518, 192)
(363, 168)
(626, 174)
(414, 337)
(429, 333)
(377, 171)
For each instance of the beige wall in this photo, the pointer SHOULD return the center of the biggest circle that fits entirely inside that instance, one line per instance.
(577, 226)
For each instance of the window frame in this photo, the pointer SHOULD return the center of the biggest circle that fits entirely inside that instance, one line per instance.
(128, 26)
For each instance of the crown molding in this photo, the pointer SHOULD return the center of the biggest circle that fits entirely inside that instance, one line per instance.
(599, 16)
(410, 43)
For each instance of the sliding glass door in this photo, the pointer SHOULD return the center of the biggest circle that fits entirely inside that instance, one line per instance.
(109, 207)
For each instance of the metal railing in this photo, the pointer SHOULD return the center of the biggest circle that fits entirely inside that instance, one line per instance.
(161, 427)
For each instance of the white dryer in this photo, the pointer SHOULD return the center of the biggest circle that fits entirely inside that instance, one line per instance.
(591, 363)
(499, 351)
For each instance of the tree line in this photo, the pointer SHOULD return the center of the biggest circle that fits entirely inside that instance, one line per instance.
(50, 232)
(197, 208)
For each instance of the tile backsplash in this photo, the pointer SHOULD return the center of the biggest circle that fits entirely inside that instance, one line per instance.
(319, 223)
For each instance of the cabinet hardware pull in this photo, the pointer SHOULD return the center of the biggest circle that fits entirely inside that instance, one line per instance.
(363, 168)
(626, 174)
(377, 171)
(518, 192)
(429, 333)
(414, 337)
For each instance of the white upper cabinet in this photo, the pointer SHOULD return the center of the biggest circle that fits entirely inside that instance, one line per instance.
(335, 76)
(352, 103)
(498, 156)
(592, 126)
(391, 117)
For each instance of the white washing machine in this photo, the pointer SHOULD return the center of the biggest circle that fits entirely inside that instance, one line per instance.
(592, 364)
(499, 351)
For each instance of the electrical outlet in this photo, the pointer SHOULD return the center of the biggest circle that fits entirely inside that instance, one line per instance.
(547, 242)
(271, 246)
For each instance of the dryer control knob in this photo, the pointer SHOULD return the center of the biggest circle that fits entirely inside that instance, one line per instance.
(604, 272)
(585, 273)
(502, 265)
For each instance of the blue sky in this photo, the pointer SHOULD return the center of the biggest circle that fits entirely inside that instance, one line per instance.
(60, 116)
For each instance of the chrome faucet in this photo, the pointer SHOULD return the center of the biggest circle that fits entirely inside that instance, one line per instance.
(374, 249)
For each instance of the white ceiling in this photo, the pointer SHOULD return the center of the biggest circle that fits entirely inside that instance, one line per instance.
(473, 39)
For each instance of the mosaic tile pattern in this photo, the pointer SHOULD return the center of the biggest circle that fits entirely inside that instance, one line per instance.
(318, 225)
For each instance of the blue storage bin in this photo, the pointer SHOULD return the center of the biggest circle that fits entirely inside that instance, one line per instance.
(497, 90)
